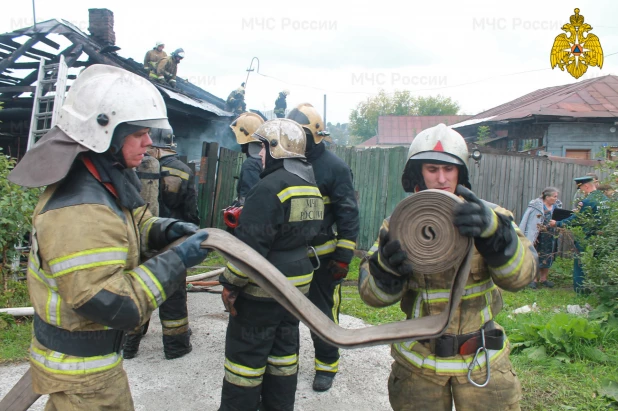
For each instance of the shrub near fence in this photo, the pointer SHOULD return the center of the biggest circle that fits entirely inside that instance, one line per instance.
(507, 180)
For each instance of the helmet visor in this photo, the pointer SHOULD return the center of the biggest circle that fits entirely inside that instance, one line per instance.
(153, 123)
(429, 156)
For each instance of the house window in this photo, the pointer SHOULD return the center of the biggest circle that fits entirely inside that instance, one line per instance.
(580, 154)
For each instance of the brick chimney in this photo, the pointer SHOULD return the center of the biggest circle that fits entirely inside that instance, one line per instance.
(102, 26)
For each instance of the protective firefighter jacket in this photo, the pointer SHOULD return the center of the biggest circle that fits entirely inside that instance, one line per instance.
(249, 177)
(167, 67)
(85, 280)
(512, 269)
(334, 180)
(153, 57)
(282, 214)
(178, 196)
(149, 173)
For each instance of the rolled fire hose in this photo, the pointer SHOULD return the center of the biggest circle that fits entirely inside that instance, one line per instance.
(422, 223)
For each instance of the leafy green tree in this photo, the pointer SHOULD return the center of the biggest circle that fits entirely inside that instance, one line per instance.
(483, 133)
(364, 118)
(436, 106)
(16, 208)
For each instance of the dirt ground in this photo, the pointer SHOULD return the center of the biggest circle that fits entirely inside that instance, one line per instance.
(194, 381)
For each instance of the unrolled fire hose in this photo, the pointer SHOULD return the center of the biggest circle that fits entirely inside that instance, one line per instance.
(422, 223)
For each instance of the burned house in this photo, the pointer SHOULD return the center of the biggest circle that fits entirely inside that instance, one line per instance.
(576, 120)
(195, 115)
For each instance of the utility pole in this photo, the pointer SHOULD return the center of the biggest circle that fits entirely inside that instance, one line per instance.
(33, 15)
(250, 69)
(325, 112)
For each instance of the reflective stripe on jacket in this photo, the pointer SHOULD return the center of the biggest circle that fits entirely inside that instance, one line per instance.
(421, 296)
(84, 272)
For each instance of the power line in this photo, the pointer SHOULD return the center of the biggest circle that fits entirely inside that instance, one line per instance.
(426, 89)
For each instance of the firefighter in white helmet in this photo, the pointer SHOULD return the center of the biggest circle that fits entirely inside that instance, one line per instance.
(432, 374)
(281, 216)
(153, 57)
(85, 279)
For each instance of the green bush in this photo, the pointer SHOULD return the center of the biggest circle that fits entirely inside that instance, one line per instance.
(564, 337)
(16, 208)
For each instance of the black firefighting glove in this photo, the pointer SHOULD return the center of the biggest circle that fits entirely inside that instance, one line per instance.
(180, 229)
(391, 256)
(228, 296)
(492, 232)
(190, 251)
(337, 269)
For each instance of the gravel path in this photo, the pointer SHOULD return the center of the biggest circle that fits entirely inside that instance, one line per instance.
(194, 381)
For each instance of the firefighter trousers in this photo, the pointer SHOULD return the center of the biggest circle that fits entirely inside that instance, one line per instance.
(413, 391)
(261, 358)
(325, 293)
(112, 394)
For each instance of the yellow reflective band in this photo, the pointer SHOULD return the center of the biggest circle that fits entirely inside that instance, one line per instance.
(347, 244)
(150, 284)
(145, 232)
(489, 231)
(285, 360)
(298, 191)
(243, 370)
(322, 366)
(326, 200)
(96, 257)
(175, 323)
(439, 364)
(336, 303)
(57, 363)
(513, 265)
(373, 249)
(235, 270)
(301, 280)
(42, 276)
(52, 308)
(328, 247)
(242, 381)
(379, 294)
(478, 289)
(176, 172)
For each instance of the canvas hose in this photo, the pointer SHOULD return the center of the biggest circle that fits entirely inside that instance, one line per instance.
(423, 225)
(422, 222)
(434, 229)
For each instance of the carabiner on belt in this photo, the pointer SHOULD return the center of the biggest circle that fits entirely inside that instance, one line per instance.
(476, 362)
(315, 254)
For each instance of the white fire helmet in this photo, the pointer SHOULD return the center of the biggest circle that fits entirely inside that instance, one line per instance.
(104, 96)
(436, 145)
(285, 138)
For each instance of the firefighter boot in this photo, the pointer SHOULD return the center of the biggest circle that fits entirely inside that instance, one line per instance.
(323, 381)
(131, 345)
(176, 346)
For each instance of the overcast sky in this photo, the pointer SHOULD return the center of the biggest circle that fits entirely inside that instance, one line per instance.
(467, 50)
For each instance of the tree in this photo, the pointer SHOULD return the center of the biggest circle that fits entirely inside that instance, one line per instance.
(483, 134)
(364, 118)
(16, 208)
(436, 106)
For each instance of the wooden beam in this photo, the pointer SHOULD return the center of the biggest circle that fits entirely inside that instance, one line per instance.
(39, 53)
(5, 63)
(25, 66)
(17, 89)
(50, 43)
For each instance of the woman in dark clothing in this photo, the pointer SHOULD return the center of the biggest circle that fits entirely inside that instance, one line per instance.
(535, 224)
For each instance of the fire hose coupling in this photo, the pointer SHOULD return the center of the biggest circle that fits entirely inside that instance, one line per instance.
(231, 216)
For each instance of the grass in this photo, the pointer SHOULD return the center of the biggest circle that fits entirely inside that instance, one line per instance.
(547, 384)
(15, 333)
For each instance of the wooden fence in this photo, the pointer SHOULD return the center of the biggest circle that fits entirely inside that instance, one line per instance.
(510, 181)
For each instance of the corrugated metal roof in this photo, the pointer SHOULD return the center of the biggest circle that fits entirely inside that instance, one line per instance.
(401, 130)
(594, 98)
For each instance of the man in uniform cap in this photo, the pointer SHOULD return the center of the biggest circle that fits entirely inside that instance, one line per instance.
(590, 204)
